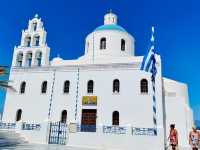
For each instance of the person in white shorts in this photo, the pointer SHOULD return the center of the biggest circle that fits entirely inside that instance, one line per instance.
(194, 138)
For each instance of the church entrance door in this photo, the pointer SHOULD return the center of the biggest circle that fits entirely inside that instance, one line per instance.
(88, 122)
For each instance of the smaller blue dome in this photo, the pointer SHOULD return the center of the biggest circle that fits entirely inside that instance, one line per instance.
(110, 27)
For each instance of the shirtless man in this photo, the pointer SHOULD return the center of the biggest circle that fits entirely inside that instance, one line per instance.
(194, 138)
(173, 137)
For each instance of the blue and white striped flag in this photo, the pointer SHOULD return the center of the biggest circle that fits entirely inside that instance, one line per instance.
(149, 61)
(149, 65)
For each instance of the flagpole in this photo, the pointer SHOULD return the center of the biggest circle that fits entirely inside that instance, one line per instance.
(153, 71)
(149, 65)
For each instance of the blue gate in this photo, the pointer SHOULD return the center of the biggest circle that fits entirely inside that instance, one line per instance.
(58, 133)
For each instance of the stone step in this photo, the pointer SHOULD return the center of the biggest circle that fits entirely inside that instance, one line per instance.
(10, 137)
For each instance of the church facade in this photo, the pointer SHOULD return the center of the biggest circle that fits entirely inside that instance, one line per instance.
(101, 100)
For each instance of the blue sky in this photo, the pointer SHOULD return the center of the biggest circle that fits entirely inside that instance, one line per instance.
(177, 24)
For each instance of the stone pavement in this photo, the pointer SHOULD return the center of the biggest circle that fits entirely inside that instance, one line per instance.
(182, 148)
(27, 146)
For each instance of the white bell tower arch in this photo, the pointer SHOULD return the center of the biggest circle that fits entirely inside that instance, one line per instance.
(33, 50)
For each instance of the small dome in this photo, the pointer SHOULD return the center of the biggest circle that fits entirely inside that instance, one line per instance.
(110, 18)
(110, 23)
(110, 27)
(57, 59)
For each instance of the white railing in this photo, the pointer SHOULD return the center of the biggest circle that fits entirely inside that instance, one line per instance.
(4, 125)
(30, 126)
(114, 129)
(87, 128)
(143, 131)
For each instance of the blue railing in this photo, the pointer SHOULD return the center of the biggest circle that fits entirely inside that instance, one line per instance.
(114, 129)
(28, 126)
(143, 131)
(7, 125)
(86, 128)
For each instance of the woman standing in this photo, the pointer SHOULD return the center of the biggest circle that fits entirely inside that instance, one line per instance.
(173, 137)
(194, 138)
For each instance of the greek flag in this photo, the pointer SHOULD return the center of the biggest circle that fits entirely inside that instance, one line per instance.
(149, 65)
(149, 61)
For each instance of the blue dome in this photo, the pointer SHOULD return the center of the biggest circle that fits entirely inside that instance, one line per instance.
(110, 27)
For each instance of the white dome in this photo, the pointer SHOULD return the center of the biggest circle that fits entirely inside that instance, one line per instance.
(117, 41)
(57, 59)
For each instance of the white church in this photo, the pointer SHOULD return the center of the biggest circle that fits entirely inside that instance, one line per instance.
(100, 100)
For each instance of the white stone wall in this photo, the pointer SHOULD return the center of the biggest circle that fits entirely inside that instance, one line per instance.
(178, 111)
(129, 102)
(33, 103)
(135, 109)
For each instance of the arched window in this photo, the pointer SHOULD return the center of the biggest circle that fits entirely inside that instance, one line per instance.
(18, 115)
(44, 87)
(115, 118)
(123, 45)
(36, 40)
(90, 86)
(28, 59)
(19, 59)
(116, 86)
(35, 26)
(28, 41)
(64, 116)
(66, 87)
(38, 57)
(144, 86)
(23, 87)
(103, 43)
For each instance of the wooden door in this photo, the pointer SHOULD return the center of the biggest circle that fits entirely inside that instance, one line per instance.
(88, 122)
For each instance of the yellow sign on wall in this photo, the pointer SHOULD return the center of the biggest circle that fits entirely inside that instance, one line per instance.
(89, 100)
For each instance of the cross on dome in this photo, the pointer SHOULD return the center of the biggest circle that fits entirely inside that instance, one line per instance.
(152, 37)
(152, 34)
(36, 16)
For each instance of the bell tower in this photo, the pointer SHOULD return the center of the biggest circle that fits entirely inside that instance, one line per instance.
(33, 50)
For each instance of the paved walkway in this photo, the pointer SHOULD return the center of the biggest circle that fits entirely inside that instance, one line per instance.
(13, 146)
(51, 147)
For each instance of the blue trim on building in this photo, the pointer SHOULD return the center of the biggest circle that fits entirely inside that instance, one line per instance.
(110, 27)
